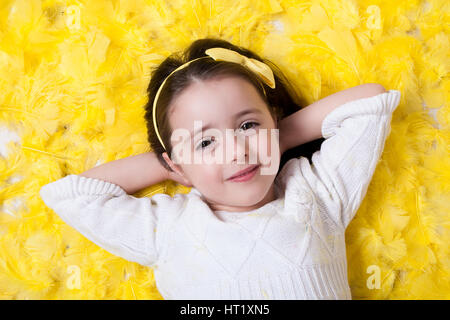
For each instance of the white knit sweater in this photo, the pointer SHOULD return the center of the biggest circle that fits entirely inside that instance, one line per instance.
(290, 248)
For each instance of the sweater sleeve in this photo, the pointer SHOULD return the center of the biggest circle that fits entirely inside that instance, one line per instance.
(355, 134)
(105, 214)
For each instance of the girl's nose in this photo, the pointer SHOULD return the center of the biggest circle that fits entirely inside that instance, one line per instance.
(237, 148)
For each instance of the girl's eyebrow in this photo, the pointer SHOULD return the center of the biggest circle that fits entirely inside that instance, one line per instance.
(235, 117)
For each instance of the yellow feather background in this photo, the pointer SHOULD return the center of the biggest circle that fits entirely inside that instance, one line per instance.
(73, 79)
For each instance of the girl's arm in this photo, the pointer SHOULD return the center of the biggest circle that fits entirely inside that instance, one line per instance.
(132, 174)
(98, 204)
(340, 172)
(126, 226)
(305, 125)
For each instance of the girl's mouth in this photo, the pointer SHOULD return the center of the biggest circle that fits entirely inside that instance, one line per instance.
(247, 176)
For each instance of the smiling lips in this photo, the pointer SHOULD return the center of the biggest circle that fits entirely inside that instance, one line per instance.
(244, 175)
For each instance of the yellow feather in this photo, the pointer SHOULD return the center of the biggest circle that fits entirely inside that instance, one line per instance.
(73, 78)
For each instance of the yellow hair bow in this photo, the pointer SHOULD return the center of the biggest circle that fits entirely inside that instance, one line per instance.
(258, 67)
(222, 54)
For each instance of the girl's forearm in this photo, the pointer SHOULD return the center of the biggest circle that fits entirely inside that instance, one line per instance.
(305, 125)
(132, 173)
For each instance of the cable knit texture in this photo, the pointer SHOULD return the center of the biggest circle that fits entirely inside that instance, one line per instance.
(290, 248)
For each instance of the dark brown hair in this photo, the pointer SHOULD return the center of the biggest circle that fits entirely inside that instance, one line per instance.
(282, 101)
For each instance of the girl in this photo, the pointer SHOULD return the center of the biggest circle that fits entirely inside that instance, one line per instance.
(267, 234)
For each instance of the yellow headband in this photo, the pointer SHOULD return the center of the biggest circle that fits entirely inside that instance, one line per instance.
(223, 54)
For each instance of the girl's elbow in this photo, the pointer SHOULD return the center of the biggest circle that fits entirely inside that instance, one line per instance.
(374, 88)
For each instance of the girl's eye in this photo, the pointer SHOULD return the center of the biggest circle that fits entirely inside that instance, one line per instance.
(250, 122)
(205, 143)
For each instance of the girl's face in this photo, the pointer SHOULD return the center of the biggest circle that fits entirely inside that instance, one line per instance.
(232, 116)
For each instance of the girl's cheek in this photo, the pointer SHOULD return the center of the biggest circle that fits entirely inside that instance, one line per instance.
(269, 152)
(274, 141)
(208, 175)
(264, 142)
(209, 156)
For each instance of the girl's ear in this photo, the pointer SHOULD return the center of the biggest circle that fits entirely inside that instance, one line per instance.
(176, 175)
